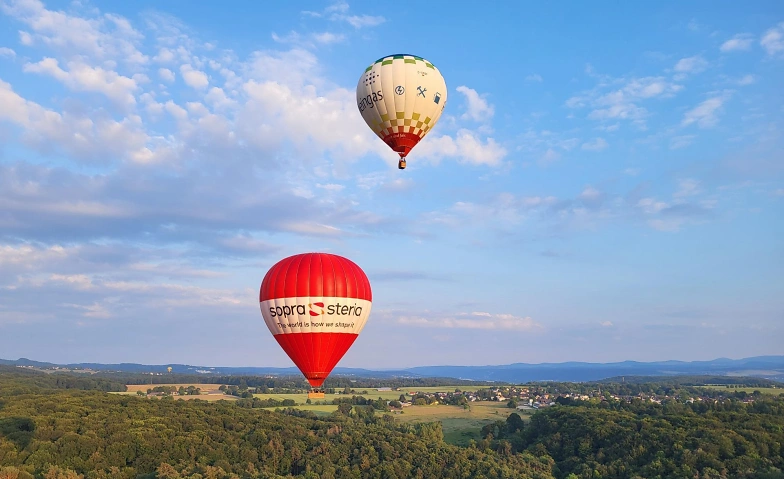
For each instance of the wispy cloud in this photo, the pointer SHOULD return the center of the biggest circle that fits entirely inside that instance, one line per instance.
(706, 114)
(339, 12)
(475, 320)
(535, 77)
(597, 144)
(7, 52)
(739, 42)
(682, 141)
(691, 65)
(773, 40)
(82, 77)
(622, 101)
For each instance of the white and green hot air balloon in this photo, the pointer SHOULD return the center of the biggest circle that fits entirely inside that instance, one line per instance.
(401, 98)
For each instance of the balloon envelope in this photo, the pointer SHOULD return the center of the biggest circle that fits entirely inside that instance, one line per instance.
(401, 98)
(315, 305)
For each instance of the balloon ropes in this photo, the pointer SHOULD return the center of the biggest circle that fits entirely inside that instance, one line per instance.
(315, 305)
(401, 98)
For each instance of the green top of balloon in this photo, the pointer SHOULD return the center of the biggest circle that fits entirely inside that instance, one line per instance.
(407, 57)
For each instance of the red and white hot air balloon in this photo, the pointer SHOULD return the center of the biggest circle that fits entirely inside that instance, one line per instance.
(315, 305)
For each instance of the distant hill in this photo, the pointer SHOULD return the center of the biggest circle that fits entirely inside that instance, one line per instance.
(767, 367)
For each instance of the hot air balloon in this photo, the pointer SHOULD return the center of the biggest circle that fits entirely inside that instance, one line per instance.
(315, 305)
(169, 369)
(401, 98)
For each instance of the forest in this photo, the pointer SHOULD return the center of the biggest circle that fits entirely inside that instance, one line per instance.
(67, 427)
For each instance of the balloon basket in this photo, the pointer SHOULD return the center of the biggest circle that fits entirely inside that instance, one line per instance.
(401, 165)
(316, 394)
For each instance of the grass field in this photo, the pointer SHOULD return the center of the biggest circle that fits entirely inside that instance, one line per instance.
(459, 425)
(721, 387)
(209, 392)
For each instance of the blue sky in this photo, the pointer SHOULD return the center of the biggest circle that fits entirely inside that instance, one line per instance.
(606, 182)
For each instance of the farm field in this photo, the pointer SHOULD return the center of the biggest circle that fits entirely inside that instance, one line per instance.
(209, 392)
(459, 425)
(369, 393)
(301, 398)
(749, 390)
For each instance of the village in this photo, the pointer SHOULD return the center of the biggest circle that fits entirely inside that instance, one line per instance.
(528, 398)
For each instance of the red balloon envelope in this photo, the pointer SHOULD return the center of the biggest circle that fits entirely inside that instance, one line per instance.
(315, 305)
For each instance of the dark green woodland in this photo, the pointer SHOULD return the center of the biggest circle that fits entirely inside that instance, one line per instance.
(60, 426)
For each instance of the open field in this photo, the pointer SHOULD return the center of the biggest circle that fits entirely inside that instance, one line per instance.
(460, 425)
(369, 393)
(301, 398)
(209, 392)
(441, 389)
(205, 388)
(721, 387)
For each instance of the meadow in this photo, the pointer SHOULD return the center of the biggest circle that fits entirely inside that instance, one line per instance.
(209, 392)
(745, 389)
(460, 425)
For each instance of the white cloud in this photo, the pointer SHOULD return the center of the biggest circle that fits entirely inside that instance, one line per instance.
(82, 77)
(7, 52)
(623, 101)
(549, 156)
(311, 40)
(746, 80)
(651, 205)
(467, 147)
(705, 115)
(218, 99)
(31, 257)
(739, 42)
(362, 21)
(481, 321)
(166, 74)
(606, 324)
(597, 144)
(328, 38)
(773, 40)
(534, 77)
(339, 6)
(194, 78)
(693, 64)
(330, 187)
(164, 56)
(84, 138)
(590, 193)
(102, 37)
(682, 141)
(478, 108)
(687, 187)
(339, 12)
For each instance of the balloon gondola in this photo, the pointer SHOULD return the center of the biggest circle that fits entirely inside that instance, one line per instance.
(315, 305)
(401, 97)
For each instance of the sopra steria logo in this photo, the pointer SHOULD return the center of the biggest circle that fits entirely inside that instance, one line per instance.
(316, 309)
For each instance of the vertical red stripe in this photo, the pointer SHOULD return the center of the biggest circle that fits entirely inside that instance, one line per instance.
(317, 276)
